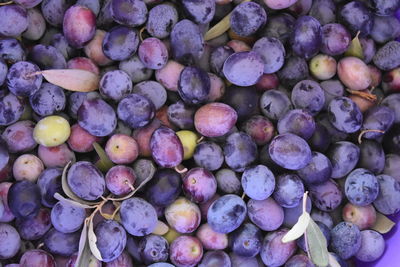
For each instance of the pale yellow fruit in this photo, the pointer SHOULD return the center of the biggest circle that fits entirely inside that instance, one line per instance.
(323, 67)
(189, 142)
(51, 131)
(171, 235)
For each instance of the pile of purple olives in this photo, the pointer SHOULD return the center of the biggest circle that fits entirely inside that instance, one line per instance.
(188, 133)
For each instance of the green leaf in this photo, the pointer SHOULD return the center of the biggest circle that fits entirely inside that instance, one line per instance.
(298, 229)
(382, 224)
(355, 48)
(317, 245)
(332, 261)
(92, 239)
(219, 28)
(104, 163)
(59, 197)
(84, 252)
(68, 190)
(72, 79)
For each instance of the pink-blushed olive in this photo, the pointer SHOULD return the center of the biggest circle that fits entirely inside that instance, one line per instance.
(122, 149)
(259, 128)
(206, 205)
(274, 252)
(143, 135)
(19, 136)
(94, 49)
(120, 180)
(238, 46)
(169, 75)
(166, 147)
(183, 215)
(79, 25)
(153, 53)
(376, 76)
(37, 258)
(362, 103)
(354, 73)
(266, 214)
(81, 140)
(391, 80)
(162, 116)
(363, 217)
(267, 82)
(36, 25)
(210, 239)
(7, 215)
(217, 88)
(215, 119)
(83, 63)
(279, 4)
(57, 156)
(27, 167)
(199, 185)
(186, 251)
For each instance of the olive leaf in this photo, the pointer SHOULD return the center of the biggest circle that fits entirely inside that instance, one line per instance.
(317, 247)
(68, 190)
(298, 229)
(84, 253)
(161, 228)
(382, 224)
(355, 48)
(332, 261)
(72, 79)
(59, 197)
(104, 163)
(220, 28)
(92, 239)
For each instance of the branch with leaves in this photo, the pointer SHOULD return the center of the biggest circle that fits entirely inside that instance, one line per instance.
(87, 243)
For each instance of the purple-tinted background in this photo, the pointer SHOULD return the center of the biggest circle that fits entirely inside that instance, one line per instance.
(391, 255)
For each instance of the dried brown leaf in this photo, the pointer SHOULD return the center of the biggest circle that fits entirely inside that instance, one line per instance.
(73, 79)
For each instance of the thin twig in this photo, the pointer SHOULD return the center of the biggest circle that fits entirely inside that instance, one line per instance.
(367, 131)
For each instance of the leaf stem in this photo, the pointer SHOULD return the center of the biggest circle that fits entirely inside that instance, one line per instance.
(305, 201)
(6, 3)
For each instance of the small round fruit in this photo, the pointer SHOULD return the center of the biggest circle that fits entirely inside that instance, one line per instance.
(189, 142)
(323, 67)
(51, 131)
(183, 215)
(27, 167)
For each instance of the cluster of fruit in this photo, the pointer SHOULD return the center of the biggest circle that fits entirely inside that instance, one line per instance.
(204, 133)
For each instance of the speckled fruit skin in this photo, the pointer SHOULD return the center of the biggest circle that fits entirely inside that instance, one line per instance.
(215, 119)
(345, 239)
(51, 131)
